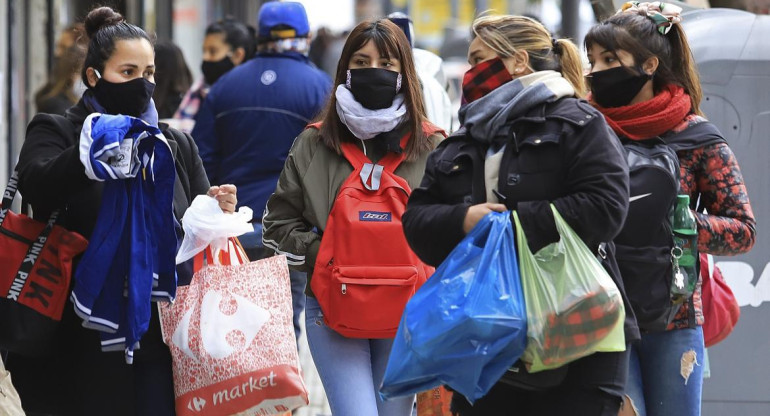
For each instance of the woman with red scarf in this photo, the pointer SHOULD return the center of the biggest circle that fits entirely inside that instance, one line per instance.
(644, 80)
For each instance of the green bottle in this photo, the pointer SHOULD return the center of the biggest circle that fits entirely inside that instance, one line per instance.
(685, 231)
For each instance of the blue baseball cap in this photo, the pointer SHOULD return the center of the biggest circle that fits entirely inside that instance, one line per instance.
(282, 20)
(405, 23)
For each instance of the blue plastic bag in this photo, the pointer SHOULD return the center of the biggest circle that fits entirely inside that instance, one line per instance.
(467, 324)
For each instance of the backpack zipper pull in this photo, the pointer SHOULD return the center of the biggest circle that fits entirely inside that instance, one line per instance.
(344, 289)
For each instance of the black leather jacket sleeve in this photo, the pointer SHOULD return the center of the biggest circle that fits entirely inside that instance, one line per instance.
(49, 162)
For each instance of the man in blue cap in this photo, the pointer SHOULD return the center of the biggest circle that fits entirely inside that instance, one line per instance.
(252, 114)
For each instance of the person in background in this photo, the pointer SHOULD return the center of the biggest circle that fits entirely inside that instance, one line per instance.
(319, 46)
(79, 379)
(172, 78)
(432, 80)
(64, 87)
(250, 117)
(227, 44)
(528, 141)
(377, 102)
(332, 52)
(645, 82)
(73, 34)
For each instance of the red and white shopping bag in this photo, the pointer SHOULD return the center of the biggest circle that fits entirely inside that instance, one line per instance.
(232, 341)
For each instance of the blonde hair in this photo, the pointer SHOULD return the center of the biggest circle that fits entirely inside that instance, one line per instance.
(506, 35)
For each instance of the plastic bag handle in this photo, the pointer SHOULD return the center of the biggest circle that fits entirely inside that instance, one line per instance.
(239, 250)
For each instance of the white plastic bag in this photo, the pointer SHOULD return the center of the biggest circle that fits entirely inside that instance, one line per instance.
(205, 224)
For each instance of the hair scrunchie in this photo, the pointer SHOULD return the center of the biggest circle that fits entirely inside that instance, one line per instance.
(664, 15)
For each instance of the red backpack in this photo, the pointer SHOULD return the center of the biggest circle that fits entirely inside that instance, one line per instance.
(365, 271)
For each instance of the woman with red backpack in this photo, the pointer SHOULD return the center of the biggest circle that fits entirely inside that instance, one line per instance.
(336, 214)
(644, 80)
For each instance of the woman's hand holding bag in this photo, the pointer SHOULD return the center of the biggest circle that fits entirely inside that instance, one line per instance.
(467, 324)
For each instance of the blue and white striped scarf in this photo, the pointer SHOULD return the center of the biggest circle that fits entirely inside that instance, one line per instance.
(130, 256)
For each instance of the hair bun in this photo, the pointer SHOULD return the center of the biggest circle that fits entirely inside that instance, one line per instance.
(101, 17)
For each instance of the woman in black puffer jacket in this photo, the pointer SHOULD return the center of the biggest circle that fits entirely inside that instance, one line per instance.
(528, 141)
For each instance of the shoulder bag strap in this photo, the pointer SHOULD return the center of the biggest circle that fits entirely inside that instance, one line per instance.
(33, 253)
(8, 195)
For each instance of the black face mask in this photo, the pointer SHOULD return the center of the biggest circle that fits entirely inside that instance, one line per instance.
(374, 88)
(212, 70)
(129, 98)
(616, 87)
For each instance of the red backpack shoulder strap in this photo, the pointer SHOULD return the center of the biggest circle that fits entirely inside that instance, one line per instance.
(354, 155)
(430, 129)
(391, 160)
(370, 173)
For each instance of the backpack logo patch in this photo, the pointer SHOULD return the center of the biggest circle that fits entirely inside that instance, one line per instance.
(375, 216)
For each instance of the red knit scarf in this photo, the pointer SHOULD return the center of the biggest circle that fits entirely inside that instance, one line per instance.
(649, 118)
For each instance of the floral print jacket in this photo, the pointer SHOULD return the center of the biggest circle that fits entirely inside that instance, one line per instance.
(727, 227)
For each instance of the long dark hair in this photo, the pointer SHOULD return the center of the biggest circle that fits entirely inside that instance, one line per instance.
(237, 35)
(105, 27)
(638, 35)
(390, 41)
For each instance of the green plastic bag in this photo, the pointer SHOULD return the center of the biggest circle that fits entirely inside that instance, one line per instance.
(574, 308)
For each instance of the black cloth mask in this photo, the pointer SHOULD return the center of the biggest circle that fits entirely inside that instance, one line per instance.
(212, 70)
(374, 88)
(616, 87)
(129, 98)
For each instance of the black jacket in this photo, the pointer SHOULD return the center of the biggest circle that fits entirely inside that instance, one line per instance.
(79, 379)
(562, 153)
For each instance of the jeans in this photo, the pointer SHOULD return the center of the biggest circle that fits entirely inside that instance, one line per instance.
(660, 362)
(351, 369)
